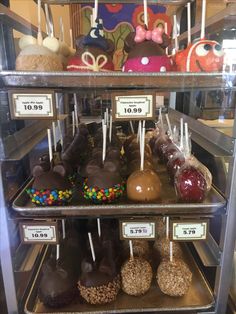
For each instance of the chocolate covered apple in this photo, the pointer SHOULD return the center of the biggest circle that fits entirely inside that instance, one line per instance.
(93, 51)
(146, 51)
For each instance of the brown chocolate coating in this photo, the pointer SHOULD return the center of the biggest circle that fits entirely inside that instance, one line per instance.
(104, 179)
(145, 48)
(136, 276)
(174, 278)
(52, 181)
(57, 287)
(143, 186)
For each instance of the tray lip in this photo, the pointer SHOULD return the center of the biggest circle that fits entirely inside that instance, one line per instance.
(130, 208)
(151, 309)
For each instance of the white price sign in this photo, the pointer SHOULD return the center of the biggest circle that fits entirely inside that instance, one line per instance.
(40, 233)
(138, 230)
(32, 105)
(189, 231)
(136, 107)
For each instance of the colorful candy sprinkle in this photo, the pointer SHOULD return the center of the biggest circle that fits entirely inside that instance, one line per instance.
(49, 197)
(101, 196)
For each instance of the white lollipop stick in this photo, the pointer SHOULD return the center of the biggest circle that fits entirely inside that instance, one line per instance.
(95, 14)
(171, 251)
(99, 227)
(203, 22)
(189, 22)
(142, 148)
(176, 34)
(60, 132)
(160, 118)
(188, 153)
(166, 32)
(110, 128)
(54, 135)
(58, 252)
(91, 247)
(73, 122)
(131, 126)
(107, 117)
(139, 131)
(76, 111)
(169, 126)
(39, 36)
(63, 228)
(181, 145)
(145, 12)
(71, 39)
(61, 36)
(167, 227)
(131, 249)
(50, 144)
(104, 133)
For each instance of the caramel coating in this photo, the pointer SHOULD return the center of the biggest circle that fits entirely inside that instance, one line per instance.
(136, 276)
(143, 186)
(174, 278)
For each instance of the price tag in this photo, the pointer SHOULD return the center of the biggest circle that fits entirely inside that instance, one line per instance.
(33, 105)
(189, 231)
(39, 232)
(137, 230)
(133, 107)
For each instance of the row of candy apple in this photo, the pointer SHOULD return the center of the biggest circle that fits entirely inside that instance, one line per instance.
(145, 52)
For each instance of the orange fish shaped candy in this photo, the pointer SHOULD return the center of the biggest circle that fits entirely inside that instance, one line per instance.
(200, 56)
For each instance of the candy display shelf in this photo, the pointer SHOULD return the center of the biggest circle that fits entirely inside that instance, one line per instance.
(176, 81)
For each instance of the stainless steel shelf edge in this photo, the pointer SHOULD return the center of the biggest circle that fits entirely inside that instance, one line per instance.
(217, 143)
(174, 2)
(208, 251)
(79, 207)
(114, 80)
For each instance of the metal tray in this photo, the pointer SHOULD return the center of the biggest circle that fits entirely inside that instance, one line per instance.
(199, 297)
(168, 204)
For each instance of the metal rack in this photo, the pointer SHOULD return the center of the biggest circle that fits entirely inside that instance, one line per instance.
(219, 145)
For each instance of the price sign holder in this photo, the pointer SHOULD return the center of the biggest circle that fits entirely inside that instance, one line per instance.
(32, 104)
(39, 232)
(189, 230)
(137, 229)
(133, 106)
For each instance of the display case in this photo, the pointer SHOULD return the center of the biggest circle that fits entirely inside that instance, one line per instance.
(206, 101)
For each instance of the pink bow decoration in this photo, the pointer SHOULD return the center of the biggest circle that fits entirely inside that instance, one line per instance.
(155, 35)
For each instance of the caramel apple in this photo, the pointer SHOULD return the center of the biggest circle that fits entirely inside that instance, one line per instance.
(143, 186)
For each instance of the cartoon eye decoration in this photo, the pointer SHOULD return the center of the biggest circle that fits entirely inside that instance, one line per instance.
(203, 49)
(218, 51)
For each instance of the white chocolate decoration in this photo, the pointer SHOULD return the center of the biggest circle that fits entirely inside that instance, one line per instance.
(27, 40)
(51, 43)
